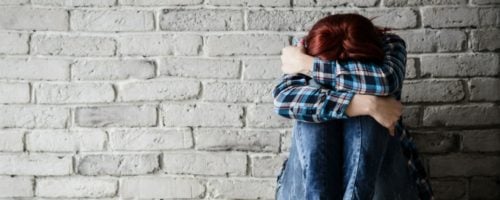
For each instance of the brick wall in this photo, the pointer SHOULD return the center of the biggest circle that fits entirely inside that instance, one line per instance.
(171, 99)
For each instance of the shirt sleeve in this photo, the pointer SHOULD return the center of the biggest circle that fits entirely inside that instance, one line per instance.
(294, 98)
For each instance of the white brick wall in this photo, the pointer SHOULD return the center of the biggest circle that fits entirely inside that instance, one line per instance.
(171, 99)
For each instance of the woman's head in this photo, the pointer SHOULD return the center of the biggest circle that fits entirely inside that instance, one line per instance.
(345, 36)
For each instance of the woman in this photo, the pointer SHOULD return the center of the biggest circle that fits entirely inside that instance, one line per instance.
(347, 153)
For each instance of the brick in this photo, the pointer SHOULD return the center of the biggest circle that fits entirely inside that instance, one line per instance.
(436, 142)
(432, 90)
(123, 164)
(283, 20)
(35, 164)
(161, 187)
(448, 17)
(266, 165)
(411, 68)
(158, 90)
(461, 115)
(255, 44)
(233, 139)
(200, 68)
(150, 139)
(428, 40)
(259, 3)
(481, 140)
(116, 116)
(66, 140)
(34, 69)
(201, 20)
(74, 92)
(403, 3)
(323, 3)
(76, 187)
(237, 91)
(460, 65)
(241, 188)
(112, 20)
(159, 2)
(112, 69)
(484, 188)
(449, 188)
(485, 2)
(72, 45)
(14, 2)
(489, 17)
(14, 43)
(485, 39)
(16, 186)
(17, 92)
(33, 116)
(464, 165)
(393, 18)
(156, 44)
(262, 69)
(286, 141)
(28, 18)
(411, 116)
(263, 116)
(74, 3)
(202, 114)
(484, 89)
(12, 140)
(205, 163)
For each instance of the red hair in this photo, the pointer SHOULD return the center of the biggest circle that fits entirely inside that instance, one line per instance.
(345, 36)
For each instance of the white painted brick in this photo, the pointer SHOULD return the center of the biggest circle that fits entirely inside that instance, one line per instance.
(12, 140)
(72, 45)
(199, 67)
(266, 165)
(34, 69)
(485, 39)
(150, 139)
(35, 164)
(14, 2)
(201, 20)
(28, 18)
(159, 2)
(403, 3)
(241, 188)
(31, 116)
(237, 91)
(265, 3)
(489, 17)
(263, 116)
(393, 18)
(280, 20)
(202, 114)
(161, 187)
(65, 140)
(156, 44)
(14, 92)
(75, 3)
(446, 17)
(18, 186)
(242, 44)
(461, 115)
(158, 90)
(112, 69)
(74, 92)
(205, 163)
(360, 3)
(233, 139)
(432, 91)
(286, 141)
(14, 43)
(116, 116)
(76, 186)
(428, 40)
(484, 89)
(122, 164)
(112, 20)
(485, 2)
(411, 68)
(262, 69)
(460, 65)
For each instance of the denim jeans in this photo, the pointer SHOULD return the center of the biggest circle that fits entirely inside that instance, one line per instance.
(349, 159)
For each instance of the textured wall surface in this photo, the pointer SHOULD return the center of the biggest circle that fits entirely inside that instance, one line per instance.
(110, 99)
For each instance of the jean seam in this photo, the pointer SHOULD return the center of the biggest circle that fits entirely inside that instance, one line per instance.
(358, 145)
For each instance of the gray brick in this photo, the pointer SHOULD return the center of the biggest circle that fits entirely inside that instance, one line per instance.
(432, 90)
(28, 18)
(233, 139)
(159, 2)
(460, 65)
(112, 69)
(160, 44)
(393, 18)
(447, 17)
(74, 3)
(158, 90)
(265, 3)
(205, 163)
(358, 3)
(116, 116)
(71, 45)
(481, 140)
(411, 68)
(76, 187)
(263, 116)
(464, 165)
(74, 92)
(461, 115)
(266, 165)
(262, 69)
(256, 44)
(201, 20)
(34, 69)
(123, 164)
(33, 116)
(112, 20)
(150, 139)
(403, 3)
(286, 141)
(17, 92)
(35, 164)
(14, 43)
(16, 186)
(428, 40)
(449, 188)
(200, 67)
(66, 141)
(237, 91)
(241, 188)
(12, 140)
(202, 114)
(411, 116)
(484, 188)
(484, 89)
(161, 187)
(485, 39)
(485, 2)
(283, 20)
(489, 17)
(436, 142)
(14, 2)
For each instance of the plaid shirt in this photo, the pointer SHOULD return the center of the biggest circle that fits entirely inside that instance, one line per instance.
(326, 95)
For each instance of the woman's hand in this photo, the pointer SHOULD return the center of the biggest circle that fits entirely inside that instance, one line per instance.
(385, 110)
(294, 60)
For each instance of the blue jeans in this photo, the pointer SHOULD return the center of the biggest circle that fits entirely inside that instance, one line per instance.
(349, 159)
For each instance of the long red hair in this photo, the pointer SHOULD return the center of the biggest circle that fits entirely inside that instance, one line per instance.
(344, 37)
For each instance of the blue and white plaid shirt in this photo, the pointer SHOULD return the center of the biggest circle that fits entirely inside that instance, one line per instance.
(326, 95)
